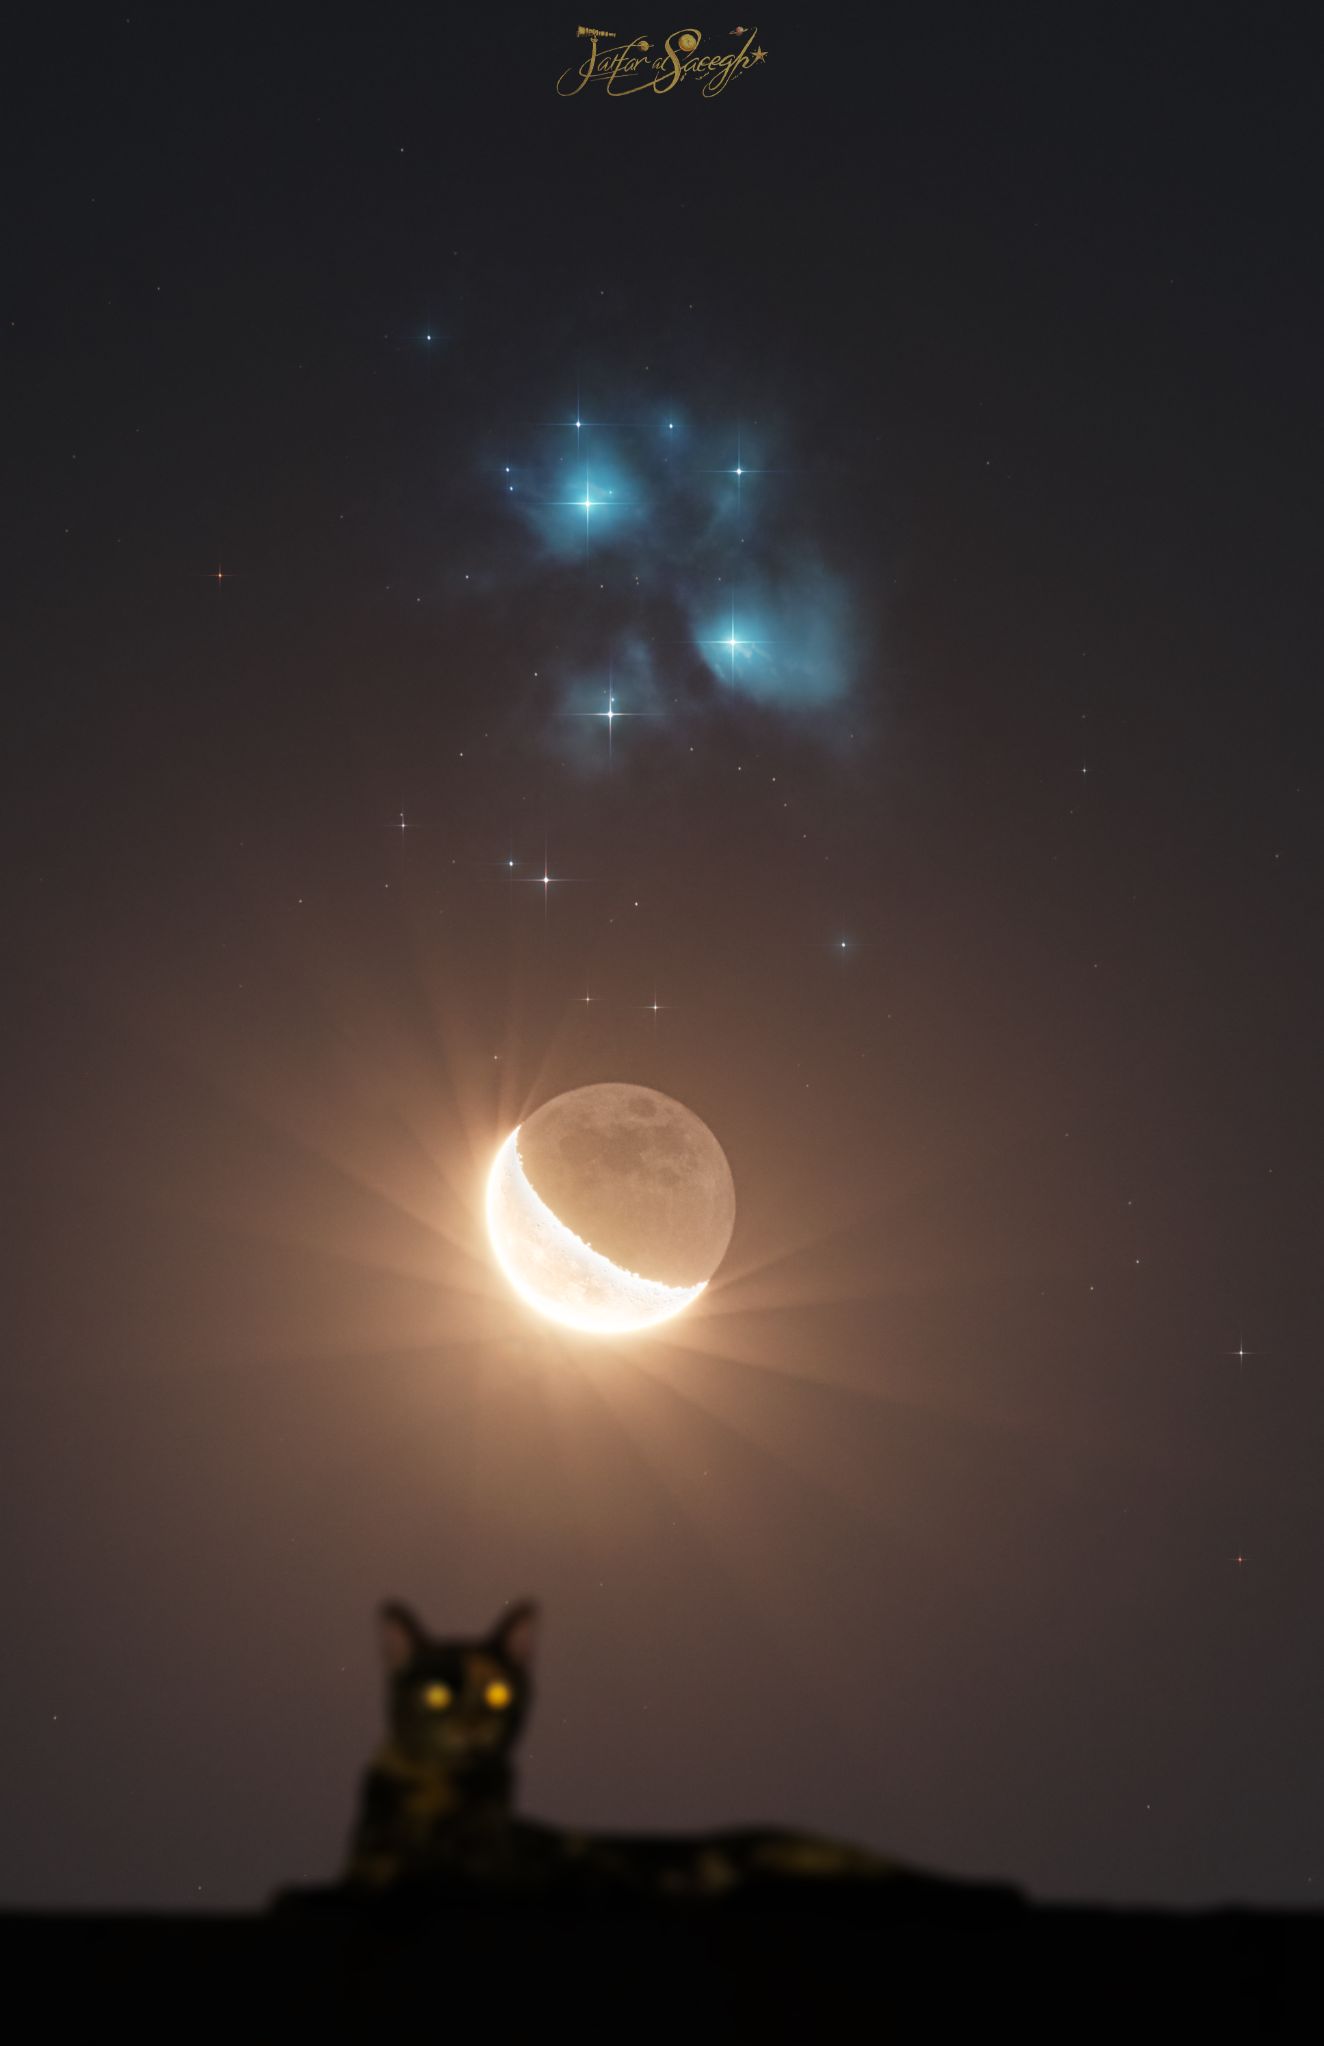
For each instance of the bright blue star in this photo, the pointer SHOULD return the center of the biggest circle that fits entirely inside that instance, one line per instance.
(739, 469)
(595, 497)
(735, 645)
(786, 643)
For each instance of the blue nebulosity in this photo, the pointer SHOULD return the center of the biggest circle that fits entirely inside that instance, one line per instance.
(699, 533)
(581, 499)
(785, 643)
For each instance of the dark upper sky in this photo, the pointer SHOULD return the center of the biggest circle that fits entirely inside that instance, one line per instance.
(980, 898)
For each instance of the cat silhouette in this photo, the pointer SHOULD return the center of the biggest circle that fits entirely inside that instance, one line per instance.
(437, 1803)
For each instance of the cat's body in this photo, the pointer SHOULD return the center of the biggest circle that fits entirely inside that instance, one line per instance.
(437, 1802)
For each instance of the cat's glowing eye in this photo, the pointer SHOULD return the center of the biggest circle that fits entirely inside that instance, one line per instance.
(498, 1695)
(437, 1697)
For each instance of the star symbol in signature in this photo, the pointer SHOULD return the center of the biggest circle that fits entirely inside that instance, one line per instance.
(757, 56)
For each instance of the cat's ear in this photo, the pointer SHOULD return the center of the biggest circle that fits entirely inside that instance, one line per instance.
(515, 1635)
(400, 1635)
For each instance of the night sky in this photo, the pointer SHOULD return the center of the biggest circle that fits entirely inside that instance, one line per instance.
(952, 850)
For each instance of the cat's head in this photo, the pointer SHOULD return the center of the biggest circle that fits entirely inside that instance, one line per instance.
(458, 1706)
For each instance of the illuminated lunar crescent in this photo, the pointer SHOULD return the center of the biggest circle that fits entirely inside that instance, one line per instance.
(610, 1208)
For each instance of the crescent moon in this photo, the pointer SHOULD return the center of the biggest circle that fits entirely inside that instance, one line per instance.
(555, 1271)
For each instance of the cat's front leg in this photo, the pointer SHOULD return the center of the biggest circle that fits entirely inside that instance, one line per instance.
(377, 1846)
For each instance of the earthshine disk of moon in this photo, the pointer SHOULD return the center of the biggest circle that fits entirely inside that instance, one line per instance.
(610, 1208)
